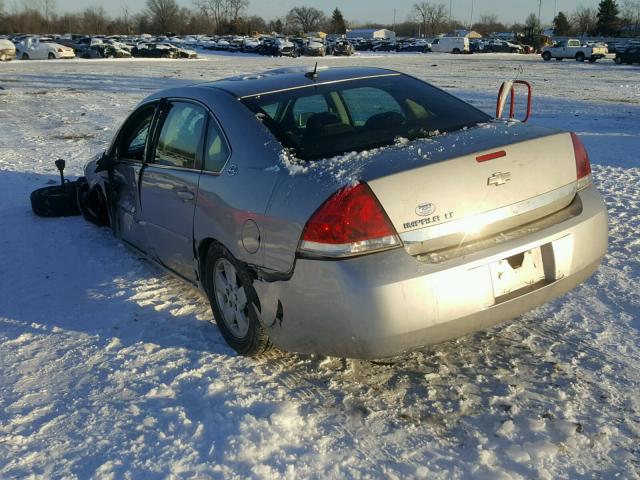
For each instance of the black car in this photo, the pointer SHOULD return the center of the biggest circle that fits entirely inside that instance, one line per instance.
(343, 48)
(501, 46)
(413, 47)
(154, 50)
(102, 51)
(629, 56)
(384, 47)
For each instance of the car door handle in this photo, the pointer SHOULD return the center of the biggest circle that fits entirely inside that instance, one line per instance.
(185, 195)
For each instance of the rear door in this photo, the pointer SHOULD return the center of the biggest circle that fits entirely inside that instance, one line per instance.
(169, 184)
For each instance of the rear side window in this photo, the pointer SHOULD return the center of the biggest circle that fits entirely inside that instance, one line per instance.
(333, 118)
(366, 102)
(216, 150)
(181, 135)
(304, 107)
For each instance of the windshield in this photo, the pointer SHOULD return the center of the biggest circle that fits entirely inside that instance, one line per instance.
(330, 119)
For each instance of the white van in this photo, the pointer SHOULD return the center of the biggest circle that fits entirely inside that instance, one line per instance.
(450, 45)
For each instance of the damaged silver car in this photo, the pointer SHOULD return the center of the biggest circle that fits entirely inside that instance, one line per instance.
(354, 212)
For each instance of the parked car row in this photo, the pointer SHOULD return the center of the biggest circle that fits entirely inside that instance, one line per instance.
(627, 53)
(32, 47)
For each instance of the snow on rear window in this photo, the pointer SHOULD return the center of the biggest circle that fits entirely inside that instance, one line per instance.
(326, 120)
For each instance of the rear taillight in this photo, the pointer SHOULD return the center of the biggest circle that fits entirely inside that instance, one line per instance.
(583, 166)
(350, 222)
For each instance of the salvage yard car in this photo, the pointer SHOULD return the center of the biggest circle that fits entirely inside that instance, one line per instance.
(629, 56)
(355, 212)
(573, 48)
(7, 50)
(35, 48)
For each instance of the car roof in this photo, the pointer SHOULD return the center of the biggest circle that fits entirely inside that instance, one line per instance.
(290, 78)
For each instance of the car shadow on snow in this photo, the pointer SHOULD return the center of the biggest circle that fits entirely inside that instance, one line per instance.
(65, 273)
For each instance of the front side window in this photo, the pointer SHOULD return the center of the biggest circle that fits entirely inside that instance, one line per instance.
(334, 118)
(135, 133)
(181, 135)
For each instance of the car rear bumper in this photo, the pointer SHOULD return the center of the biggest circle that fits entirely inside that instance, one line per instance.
(386, 303)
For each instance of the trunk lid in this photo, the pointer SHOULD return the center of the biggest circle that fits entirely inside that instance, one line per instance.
(439, 195)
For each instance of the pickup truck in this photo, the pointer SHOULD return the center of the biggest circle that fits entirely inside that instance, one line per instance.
(574, 49)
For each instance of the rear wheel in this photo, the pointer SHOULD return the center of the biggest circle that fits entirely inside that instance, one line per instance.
(234, 303)
(51, 56)
(618, 61)
(25, 56)
(580, 57)
(546, 56)
(456, 51)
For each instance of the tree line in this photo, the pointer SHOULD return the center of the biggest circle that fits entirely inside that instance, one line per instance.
(223, 17)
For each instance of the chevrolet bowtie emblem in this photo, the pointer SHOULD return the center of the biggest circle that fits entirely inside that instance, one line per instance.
(499, 178)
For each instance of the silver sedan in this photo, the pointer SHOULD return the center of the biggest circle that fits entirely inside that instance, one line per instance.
(354, 212)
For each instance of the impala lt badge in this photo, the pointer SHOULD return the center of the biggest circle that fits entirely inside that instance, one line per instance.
(499, 178)
(425, 209)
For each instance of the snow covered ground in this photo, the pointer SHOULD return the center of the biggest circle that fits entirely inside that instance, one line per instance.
(109, 367)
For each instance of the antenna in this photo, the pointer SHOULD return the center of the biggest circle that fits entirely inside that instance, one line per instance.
(312, 75)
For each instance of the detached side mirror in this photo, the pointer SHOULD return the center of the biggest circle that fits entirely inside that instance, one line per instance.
(507, 90)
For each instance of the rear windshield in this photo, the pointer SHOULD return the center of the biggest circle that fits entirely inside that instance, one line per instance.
(327, 120)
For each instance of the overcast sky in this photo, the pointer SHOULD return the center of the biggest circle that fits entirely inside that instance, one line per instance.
(366, 10)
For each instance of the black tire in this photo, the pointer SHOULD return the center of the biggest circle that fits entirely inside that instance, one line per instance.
(618, 61)
(546, 56)
(92, 203)
(51, 56)
(255, 341)
(55, 201)
(456, 51)
(592, 60)
(25, 56)
(580, 57)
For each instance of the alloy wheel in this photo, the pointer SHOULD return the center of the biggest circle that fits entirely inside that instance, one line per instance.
(231, 297)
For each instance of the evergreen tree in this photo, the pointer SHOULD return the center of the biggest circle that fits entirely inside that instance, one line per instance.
(561, 24)
(608, 20)
(338, 25)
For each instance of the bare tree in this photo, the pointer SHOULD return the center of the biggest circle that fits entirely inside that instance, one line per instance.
(125, 19)
(164, 14)
(305, 19)
(488, 24)
(47, 7)
(94, 20)
(235, 8)
(584, 20)
(630, 14)
(432, 16)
